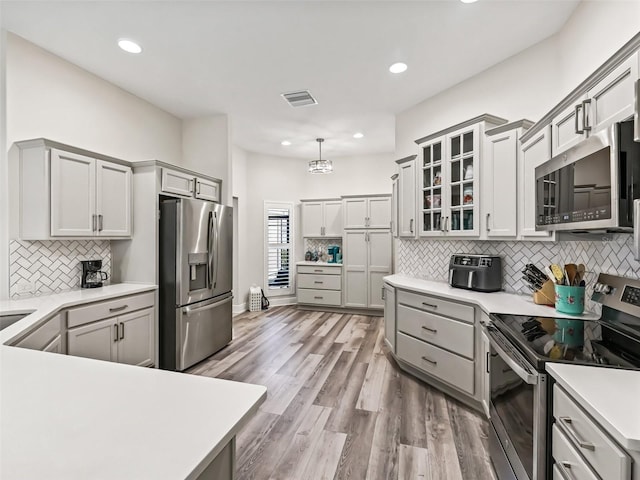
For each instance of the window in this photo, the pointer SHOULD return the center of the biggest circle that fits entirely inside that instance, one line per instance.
(278, 248)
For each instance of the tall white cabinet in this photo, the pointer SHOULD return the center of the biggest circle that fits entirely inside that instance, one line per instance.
(367, 250)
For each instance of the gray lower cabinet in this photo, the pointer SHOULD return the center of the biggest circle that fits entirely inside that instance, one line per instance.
(46, 337)
(389, 294)
(437, 338)
(126, 338)
(320, 284)
(581, 447)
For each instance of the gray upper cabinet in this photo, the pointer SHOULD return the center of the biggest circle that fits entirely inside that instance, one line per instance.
(322, 218)
(609, 100)
(65, 192)
(407, 224)
(183, 183)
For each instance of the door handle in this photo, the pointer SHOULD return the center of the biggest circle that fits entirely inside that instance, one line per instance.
(209, 249)
(487, 223)
(94, 220)
(486, 365)
(115, 332)
(430, 330)
(383, 296)
(217, 248)
(121, 330)
(428, 360)
(585, 119)
(411, 226)
(446, 224)
(100, 222)
(430, 305)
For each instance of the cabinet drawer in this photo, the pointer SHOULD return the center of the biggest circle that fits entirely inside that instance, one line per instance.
(177, 183)
(111, 308)
(436, 305)
(320, 269)
(568, 460)
(320, 282)
(42, 336)
(604, 456)
(449, 367)
(319, 297)
(450, 334)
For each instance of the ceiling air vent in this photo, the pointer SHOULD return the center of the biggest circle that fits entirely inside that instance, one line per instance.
(299, 99)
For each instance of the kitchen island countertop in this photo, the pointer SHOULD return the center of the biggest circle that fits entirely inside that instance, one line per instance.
(77, 418)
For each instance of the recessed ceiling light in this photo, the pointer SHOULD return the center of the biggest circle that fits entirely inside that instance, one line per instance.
(468, 1)
(358, 135)
(129, 46)
(285, 143)
(398, 67)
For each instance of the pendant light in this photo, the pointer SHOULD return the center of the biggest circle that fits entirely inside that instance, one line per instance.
(320, 166)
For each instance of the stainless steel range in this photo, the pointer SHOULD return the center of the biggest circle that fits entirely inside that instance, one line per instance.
(520, 347)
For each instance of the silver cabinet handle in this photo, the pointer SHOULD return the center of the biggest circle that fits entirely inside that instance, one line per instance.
(442, 226)
(318, 282)
(568, 422)
(191, 186)
(94, 222)
(198, 187)
(487, 222)
(383, 295)
(318, 298)
(585, 119)
(100, 222)
(564, 468)
(115, 332)
(577, 118)
(486, 367)
(446, 224)
(318, 270)
(430, 330)
(121, 330)
(411, 225)
(117, 309)
(432, 362)
(430, 305)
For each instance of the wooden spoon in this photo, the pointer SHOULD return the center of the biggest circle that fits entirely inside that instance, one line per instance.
(572, 271)
(581, 271)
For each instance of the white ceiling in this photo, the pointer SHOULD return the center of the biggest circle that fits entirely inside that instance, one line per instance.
(236, 57)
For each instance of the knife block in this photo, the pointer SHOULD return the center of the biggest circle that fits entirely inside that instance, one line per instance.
(546, 295)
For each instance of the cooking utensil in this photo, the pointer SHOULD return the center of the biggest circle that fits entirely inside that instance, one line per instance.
(572, 272)
(581, 272)
(550, 274)
(557, 272)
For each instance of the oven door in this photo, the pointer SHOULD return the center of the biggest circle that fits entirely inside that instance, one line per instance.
(517, 410)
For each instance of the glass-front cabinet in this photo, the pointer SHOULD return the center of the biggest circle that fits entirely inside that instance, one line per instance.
(431, 218)
(449, 184)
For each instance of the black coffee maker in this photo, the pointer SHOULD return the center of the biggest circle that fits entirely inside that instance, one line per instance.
(92, 276)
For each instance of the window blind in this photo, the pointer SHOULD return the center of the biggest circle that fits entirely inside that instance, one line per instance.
(278, 248)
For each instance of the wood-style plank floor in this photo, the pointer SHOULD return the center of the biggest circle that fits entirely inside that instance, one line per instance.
(338, 406)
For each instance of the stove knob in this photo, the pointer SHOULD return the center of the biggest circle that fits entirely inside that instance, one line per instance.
(602, 288)
(606, 289)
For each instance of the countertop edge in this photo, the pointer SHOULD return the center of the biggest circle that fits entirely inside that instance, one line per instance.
(610, 427)
(46, 306)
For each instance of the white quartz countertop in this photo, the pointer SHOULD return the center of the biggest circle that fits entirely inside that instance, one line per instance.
(319, 264)
(70, 418)
(495, 302)
(609, 395)
(42, 307)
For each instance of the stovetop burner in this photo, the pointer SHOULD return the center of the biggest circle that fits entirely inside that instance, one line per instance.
(567, 340)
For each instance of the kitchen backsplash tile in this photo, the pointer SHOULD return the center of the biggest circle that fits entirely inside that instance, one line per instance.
(430, 258)
(52, 266)
(320, 245)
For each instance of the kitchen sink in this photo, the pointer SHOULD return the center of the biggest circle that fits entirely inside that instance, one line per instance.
(8, 320)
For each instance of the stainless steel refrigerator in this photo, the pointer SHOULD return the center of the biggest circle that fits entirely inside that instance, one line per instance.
(196, 241)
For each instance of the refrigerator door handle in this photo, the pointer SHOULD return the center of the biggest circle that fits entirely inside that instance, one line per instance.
(190, 310)
(216, 248)
(210, 250)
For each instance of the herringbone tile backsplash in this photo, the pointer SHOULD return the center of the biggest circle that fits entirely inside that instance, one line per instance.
(52, 266)
(429, 259)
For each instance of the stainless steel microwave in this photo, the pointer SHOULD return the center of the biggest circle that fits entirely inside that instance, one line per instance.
(592, 185)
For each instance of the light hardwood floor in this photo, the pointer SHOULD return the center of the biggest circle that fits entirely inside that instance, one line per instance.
(338, 406)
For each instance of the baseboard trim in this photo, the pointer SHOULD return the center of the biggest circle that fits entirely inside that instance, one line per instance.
(281, 301)
(351, 311)
(238, 309)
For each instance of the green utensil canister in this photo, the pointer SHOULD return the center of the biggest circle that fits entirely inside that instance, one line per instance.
(570, 299)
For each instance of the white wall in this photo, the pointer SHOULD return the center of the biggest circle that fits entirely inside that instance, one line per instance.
(270, 178)
(531, 83)
(50, 97)
(205, 149)
(4, 175)
(239, 186)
